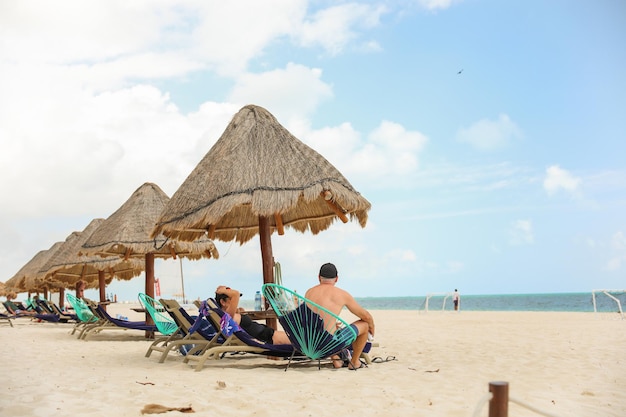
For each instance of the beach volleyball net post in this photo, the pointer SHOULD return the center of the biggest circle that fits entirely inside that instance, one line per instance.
(444, 295)
(608, 294)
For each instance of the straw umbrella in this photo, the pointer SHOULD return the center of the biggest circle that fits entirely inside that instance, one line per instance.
(126, 234)
(26, 279)
(258, 178)
(3, 291)
(68, 266)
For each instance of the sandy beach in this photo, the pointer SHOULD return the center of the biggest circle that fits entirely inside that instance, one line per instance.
(566, 364)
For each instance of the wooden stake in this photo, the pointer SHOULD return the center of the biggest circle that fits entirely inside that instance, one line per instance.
(328, 196)
(267, 258)
(102, 285)
(278, 219)
(499, 403)
(149, 289)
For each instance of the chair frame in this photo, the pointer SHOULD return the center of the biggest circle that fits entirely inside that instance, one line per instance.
(238, 341)
(183, 336)
(317, 340)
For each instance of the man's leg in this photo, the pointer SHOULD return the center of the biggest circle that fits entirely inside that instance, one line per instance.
(359, 344)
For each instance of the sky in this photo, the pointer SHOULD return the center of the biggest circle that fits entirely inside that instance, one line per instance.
(489, 136)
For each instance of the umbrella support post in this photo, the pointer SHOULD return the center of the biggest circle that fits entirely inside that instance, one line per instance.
(149, 289)
(267, 258)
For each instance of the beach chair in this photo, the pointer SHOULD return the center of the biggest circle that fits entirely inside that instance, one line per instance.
(313, 330)
(31, 310)
(84, 315)
(54, 312)
(194, 340)
(7, 318)
(106, 322)
(235, 339)
(162, 320)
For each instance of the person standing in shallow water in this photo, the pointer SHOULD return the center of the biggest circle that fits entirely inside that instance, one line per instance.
(456, 298)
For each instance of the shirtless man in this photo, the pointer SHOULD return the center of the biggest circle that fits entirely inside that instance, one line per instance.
(335, 299)
(228, 300)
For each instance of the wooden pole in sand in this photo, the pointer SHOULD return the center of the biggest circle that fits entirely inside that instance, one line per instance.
(149, 289)
(499, 403)
(102, 285)
(267, 258)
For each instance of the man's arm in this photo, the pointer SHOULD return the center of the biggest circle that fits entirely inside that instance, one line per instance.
(234, 295)
(356, 309)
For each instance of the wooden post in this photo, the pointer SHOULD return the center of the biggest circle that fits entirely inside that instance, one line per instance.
(328, 196)
(103, 286)
(499, 403)
(267, 258)
(149, 289)
(280, 228)
(61, 297)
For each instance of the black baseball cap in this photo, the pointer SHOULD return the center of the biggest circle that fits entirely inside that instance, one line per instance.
(328, 270)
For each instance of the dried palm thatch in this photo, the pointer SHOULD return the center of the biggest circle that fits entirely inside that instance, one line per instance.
(67, 266)
(3, 291)
(26, 279)
(126, 233)
(258, 169)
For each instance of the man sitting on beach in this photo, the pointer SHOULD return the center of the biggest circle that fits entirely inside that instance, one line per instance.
(228, 300)
(327, 295)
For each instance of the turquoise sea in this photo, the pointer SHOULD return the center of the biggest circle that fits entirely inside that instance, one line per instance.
(572, 302)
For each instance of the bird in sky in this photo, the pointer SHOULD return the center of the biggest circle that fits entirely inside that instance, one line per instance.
(459, 71)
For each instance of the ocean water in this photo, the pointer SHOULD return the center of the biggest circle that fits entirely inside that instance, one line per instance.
(568, 302)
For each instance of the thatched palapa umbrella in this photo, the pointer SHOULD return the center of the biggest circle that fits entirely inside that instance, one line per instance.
(126, 234)
(26, 279)
(68, 266)
(258, 178)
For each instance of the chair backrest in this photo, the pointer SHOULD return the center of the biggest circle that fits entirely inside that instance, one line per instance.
(185, 321)
(83, 312)
(45, 306)
(314, 330)
(163, 321)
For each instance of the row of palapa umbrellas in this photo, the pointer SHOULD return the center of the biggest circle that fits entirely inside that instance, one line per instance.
(258, 178)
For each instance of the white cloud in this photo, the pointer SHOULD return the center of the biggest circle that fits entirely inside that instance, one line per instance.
(436, 4)
(488, 134)
(290, 93)
(333, 28)
(388, 155)
(521, 233)
(618, 241)
(560, 179)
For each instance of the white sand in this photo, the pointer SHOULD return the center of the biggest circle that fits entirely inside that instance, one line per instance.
(567, 364)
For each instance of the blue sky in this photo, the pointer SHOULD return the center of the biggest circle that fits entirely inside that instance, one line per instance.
(489, 136)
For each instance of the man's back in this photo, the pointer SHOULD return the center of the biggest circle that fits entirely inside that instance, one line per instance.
(329, 297)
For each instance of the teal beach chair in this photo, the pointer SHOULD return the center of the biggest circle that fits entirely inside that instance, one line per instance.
(313, 330)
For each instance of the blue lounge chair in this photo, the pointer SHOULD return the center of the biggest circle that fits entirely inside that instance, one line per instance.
(192, 341)
(235, 340)
(54, 312)
(7, 318)
(105, 321)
